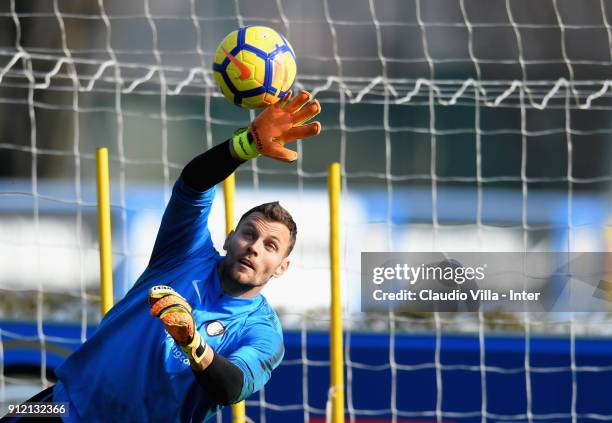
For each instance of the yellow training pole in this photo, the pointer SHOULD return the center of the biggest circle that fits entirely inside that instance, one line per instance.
(239, 412)
(104, 231)
(337, 353)
(229, 193)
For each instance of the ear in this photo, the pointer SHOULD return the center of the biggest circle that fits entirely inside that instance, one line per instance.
(227, 240)
(282, 268)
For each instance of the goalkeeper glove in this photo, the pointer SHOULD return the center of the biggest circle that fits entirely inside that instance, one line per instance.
(175, 313)
(279, 123)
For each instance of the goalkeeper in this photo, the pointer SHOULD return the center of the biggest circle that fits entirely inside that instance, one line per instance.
(218, 340)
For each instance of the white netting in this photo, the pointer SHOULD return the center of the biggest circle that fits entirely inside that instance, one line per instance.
(465, 125)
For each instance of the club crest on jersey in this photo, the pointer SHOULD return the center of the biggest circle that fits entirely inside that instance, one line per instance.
(215, 328)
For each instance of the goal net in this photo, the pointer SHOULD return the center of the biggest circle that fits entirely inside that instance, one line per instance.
(460, 125)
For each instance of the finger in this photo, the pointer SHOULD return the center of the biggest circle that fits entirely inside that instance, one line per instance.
(178, 319)
(167, 302)
(277, 151)
(306, 113)
(302, 131)
(296, 104)
(160, 291)
(285, 99)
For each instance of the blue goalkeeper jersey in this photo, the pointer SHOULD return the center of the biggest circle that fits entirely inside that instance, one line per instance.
(131, 370)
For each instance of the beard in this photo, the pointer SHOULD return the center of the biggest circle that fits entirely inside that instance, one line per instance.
(236, 279)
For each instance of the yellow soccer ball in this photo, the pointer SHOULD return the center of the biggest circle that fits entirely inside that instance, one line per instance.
(254, 66)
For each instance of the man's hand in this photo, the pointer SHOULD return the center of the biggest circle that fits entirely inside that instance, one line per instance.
(175, 313)
(279, 123)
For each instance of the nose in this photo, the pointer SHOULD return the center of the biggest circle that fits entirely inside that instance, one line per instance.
(253, 247)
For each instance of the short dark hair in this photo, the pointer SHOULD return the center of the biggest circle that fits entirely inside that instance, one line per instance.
(276, 213)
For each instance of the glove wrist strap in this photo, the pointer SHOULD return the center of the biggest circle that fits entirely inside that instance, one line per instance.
(243, 144)
(196, 349)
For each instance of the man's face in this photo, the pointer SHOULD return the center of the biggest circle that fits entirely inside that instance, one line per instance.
(256, 251)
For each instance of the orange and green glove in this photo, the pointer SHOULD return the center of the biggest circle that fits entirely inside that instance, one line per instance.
(175, 313)
(279, 123)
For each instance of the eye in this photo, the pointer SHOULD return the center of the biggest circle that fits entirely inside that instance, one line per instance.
(271, 246)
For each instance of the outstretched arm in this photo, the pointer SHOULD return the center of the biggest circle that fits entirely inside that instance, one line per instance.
(277, 124)
(184, 229)
(211, 167)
